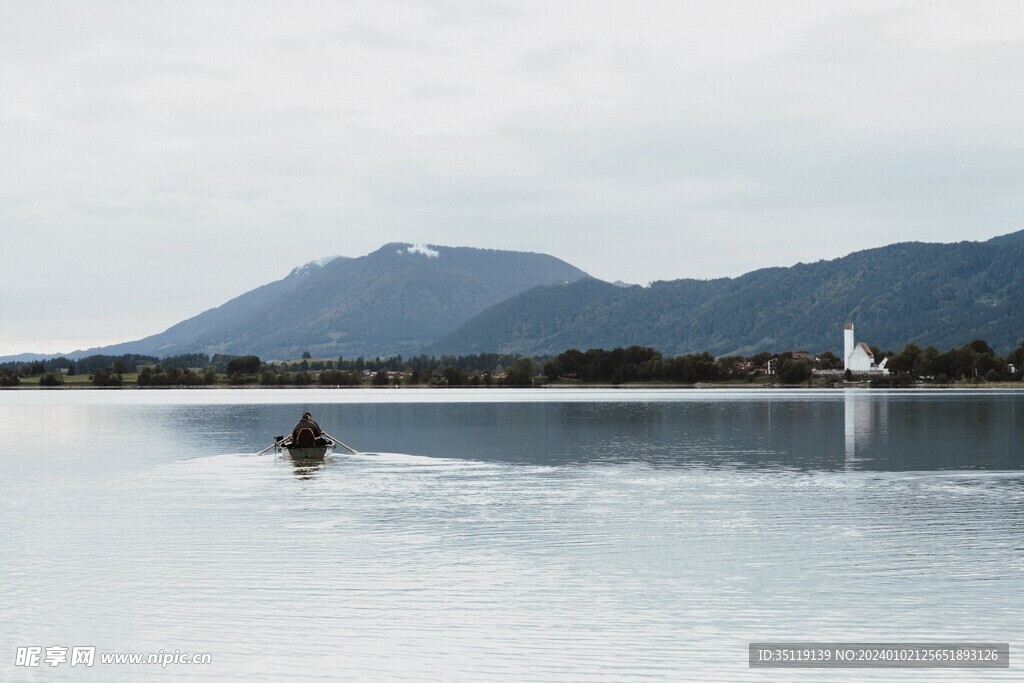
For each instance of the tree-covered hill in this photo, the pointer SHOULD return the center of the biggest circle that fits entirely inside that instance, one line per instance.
(941, 294)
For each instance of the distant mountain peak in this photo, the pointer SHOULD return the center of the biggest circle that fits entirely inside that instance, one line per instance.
(397, 299)
(314, 266)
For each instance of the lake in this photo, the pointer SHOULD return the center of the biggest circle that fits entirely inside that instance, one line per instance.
(493, 535)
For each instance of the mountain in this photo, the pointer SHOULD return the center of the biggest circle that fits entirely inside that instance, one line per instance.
(409, 299)
(395, 300)
(941, 294)
(26, 357)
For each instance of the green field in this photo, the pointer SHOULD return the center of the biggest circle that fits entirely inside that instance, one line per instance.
(80, 380)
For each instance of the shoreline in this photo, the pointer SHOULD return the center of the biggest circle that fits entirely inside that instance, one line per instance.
(711, 386)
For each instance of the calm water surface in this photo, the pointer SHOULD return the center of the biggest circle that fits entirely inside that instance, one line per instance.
(504, 535)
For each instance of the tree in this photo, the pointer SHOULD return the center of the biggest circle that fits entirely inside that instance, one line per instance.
(455, 376)
(521, 373)
(908, 359)
(553, 369)
(981, 346)
(106, 378)
(962, 362)
(728, 365)
(571, 363)
(244, 365)
(985, 365)
(794, 371)
(929, 361)
(1017, 357)
(829, 361)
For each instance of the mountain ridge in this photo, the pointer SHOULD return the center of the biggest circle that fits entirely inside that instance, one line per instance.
(407, 298)
(920, 292)
(393, 300)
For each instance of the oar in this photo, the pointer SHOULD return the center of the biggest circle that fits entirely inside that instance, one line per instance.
(277, 442)
(338, 441)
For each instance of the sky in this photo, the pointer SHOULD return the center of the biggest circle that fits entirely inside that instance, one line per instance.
(158, 159)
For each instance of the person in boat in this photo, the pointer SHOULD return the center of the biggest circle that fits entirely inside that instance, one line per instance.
(308, 424)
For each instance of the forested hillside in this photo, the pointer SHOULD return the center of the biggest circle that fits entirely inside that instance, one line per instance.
(941, 294)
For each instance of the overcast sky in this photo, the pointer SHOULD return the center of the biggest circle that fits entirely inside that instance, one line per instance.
(160, 158)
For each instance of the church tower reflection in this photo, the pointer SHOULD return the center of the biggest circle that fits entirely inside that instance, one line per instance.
(865, 415)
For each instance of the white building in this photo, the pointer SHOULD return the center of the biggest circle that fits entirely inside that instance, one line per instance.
(858, 357)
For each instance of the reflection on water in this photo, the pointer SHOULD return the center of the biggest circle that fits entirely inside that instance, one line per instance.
(643, 539)
(837, 430)
(857, 411)
(306, 468)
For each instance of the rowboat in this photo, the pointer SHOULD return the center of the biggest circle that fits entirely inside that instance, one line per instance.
(307, 453)
(306, 447)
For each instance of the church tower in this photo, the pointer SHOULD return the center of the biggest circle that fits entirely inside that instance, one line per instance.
(848, 345)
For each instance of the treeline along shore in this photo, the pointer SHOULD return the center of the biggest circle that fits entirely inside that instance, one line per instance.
(973, 364)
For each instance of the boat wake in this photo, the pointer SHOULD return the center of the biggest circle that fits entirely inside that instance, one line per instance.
(404, 459)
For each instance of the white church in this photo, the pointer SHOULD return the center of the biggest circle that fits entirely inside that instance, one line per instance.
(858, 357)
